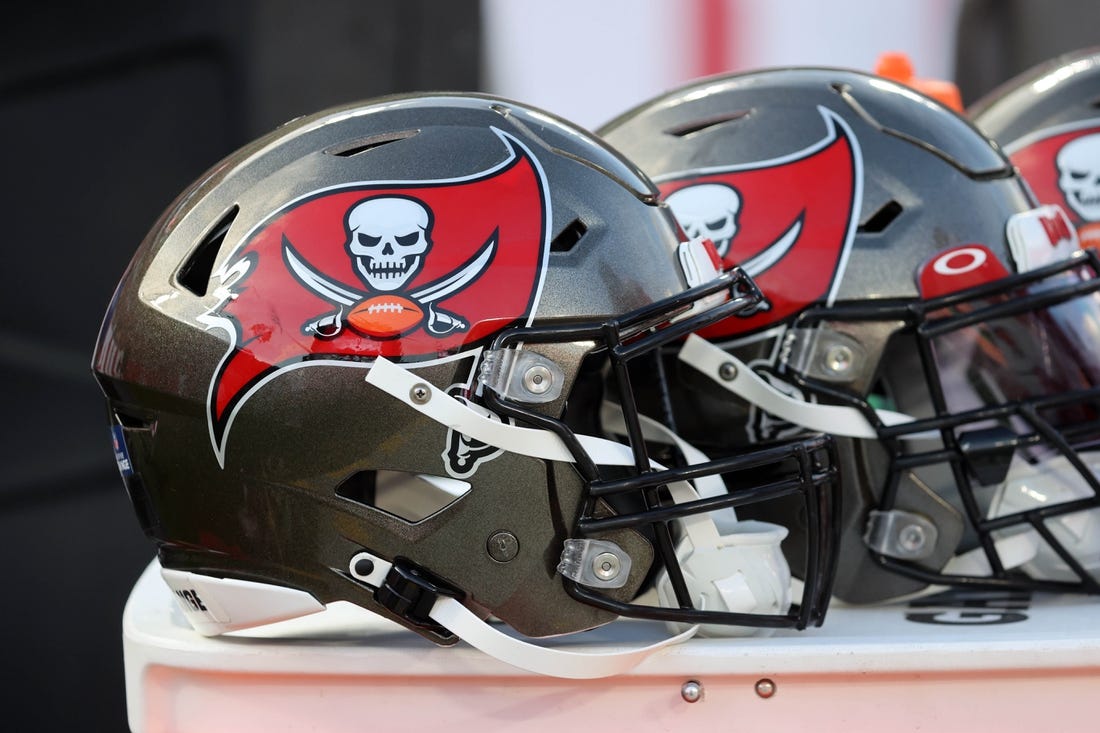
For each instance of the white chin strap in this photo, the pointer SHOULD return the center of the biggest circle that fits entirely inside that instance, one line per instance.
(218, 605)
(742, 381)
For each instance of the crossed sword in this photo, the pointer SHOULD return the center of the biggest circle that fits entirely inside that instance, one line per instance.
(440, 322)
(770, 255)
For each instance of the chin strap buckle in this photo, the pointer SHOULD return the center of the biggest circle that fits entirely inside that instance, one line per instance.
(411, 594)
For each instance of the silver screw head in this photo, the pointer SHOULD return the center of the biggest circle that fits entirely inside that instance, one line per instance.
(606, 566)
(538, 379)
(765, 688)
(692, 691)
(502, 546)
(912, 538)
(839, 358)
(727, 372)
(420, 393)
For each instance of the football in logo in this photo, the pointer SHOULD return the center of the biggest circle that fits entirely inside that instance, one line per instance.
(385, 316)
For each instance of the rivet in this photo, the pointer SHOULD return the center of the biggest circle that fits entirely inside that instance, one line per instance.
(538, 379)
(838, 359)
(420, 393)
(765, 688)
(912, 537)
(361, 565)
(692, 691)
(502, 546)
(728, 371)
(606, 566)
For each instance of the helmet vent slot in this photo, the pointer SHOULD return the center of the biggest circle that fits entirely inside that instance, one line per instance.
(194, 274)
(362, 145)
(131, 421)
(697, 126)
(405, 495)
(568, 238)
(881, 219)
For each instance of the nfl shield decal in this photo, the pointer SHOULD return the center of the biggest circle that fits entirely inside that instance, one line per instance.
(788, 221)
(409, 270)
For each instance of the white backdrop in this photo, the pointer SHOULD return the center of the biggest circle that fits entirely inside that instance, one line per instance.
(588, 60)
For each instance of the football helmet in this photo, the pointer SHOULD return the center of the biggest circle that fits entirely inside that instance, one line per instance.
(918, 306)
(365, 359)
(1047, 123)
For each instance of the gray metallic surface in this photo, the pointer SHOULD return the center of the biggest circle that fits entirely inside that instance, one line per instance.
(914, 152)
(953, 187)
(272, 513)
(1064, 89)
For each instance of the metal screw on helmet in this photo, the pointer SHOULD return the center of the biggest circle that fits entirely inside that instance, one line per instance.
(728, 371)
(606, 566)
(692, 691)
(538, 379)
(595, 563)
(502, 546)
(420, 393)
(765, 688)
(912, 538)
(839, 359)
(901, 534)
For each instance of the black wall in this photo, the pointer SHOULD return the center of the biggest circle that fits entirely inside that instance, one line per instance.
(107, 110)
(998, 39)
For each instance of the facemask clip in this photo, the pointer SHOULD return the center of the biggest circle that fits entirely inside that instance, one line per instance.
(522, 376)
(595, 563)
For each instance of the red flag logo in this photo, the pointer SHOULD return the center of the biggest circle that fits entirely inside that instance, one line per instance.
(1062, 166)
(409, 270)
(789, 221)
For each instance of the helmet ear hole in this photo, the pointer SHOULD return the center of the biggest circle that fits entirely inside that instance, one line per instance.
(405, 495)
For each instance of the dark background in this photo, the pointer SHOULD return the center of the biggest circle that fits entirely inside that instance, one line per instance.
(998, 39)
(107, 110)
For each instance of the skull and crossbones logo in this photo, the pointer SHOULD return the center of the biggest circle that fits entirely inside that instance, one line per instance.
(1079, 175)
(708, 211)
(388, 238)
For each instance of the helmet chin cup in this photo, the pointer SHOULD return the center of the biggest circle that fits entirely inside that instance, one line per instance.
(741, 570)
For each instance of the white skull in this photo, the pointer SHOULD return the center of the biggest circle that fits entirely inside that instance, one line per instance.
(707, 210)
(1079, 175)
(387, 238)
